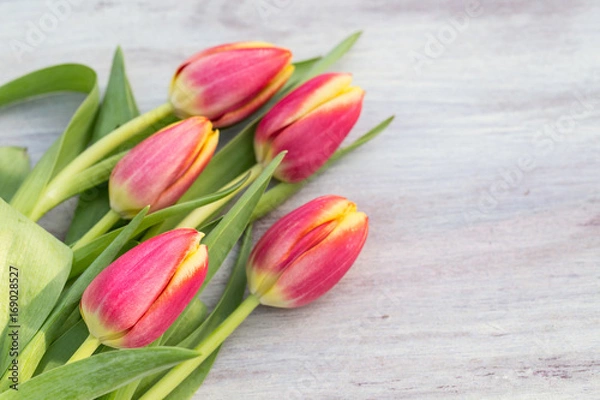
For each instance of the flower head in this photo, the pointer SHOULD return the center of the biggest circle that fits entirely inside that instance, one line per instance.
(227, 83)
(310, 123)
(306, 252)
(136, 298)
(159, 170)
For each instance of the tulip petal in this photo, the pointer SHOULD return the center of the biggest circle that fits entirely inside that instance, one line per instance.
(171, 194)
(258, 101)
(165, 162)
(313, 139)
(168, 306)
(300, 102)
(219, 82)
(316, 271)
(222, 48)
(121, 294)
(279, 244)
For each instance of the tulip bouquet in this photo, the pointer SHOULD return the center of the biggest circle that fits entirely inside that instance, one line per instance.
(114, 312)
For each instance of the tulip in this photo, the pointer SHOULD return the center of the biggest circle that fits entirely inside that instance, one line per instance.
(134, 300)
(227, 83)
(307, 252)
(159, 170)
(310, 123)
(297, 260)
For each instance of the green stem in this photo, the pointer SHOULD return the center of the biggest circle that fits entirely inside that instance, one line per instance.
(202, 214)
(110, 142)
(123, 393)
(101, 227)
(51, 196)
(47, 201)
(178, 374)
(86, 349)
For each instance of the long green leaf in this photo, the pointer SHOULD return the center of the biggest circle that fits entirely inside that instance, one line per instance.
(14, 167)
(118, 105)
(34, 268)
(66, 77)
(231, 298)
(63, 348)
(99, 374)
(224, 236)
(333, 56)
(278, 194)
(324, 63)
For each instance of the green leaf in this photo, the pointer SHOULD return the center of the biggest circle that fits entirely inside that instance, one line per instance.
(230, 300)
(14, 167)
(63, 348)
(119, 104)
(278, 194)
(55, 324)
(99, 374)
(37, 265)
(92, 206)
(65, 77)
(118, 107)
(223, 237)
(367, 137)
(83, 256)
(323, 64)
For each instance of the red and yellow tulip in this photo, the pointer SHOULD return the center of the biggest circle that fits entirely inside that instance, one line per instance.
(159, 170)
(310, 123)
(227, 83)
(135, 299)
(304, 254)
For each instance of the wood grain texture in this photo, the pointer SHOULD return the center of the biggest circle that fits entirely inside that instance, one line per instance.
(481, 275)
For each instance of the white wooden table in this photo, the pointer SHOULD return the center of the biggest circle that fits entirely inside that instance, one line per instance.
(481, 275)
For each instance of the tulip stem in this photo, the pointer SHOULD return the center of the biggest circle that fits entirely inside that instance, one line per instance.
(99, 150)
(202, 214)
(101, 227)
(87, 348)
(173, 378)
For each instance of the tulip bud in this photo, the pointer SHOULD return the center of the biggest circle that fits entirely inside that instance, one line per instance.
(228, 83)
(307, 252)
(136, 298)
(159, 170)
(310, 123)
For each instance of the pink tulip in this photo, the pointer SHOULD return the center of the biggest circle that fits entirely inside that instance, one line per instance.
(306, 252)
(135, 299)
(228, 83)
(159, 170)
(310, 123)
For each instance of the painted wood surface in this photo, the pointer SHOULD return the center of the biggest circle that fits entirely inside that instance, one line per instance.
(481, 275)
